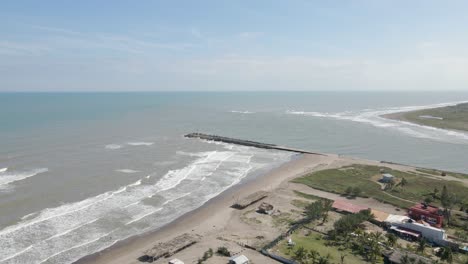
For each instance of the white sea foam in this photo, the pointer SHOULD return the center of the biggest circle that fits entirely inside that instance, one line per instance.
(241, 112)
(142, 143)
(113, 146)
(67, 232)
(9, 177)
(374, 117)
(29, 215)
(129, 171)
(2, 170)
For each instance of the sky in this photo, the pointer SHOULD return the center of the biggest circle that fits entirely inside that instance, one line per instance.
(222, 45)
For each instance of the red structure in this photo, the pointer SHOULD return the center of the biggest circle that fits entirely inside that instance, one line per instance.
(427, 213)
(343, 206)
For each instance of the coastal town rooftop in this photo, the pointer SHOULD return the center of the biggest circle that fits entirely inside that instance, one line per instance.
(344, 206)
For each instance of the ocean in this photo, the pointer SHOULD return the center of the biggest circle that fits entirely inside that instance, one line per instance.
(81, 171)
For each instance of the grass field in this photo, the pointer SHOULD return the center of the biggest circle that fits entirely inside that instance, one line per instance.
(316, 242)
(417, 188)
(439, 173)
(453, 117)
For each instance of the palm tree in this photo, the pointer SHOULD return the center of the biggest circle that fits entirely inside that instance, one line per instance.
(403, 182)
(422, 245)
(391, 239)
(342, 256)
(447, 255)
(404, 259)
(300, 253)
(324, 260)
(326, 206)
(313, 255)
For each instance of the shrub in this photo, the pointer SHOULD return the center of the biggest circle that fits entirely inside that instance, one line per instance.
(223, 251)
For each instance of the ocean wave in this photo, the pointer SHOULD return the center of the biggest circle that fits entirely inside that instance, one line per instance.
(241, 112)
(113, 146)
(2, 170)
(142, 143)
(65, 233)
(128, 171)
(374, 117)
(8, 177)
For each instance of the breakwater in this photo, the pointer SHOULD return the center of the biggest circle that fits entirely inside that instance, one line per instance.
(248, 143)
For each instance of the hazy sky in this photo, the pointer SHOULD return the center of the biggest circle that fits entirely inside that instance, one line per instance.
(233, 45)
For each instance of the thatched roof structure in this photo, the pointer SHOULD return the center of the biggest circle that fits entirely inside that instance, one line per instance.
(250, 199)
(169, 248)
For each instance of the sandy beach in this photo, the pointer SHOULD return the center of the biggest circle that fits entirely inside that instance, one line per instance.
(220, 225)
(400, 116)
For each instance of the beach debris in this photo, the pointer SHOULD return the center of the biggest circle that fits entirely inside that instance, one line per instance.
(169, 248)
(265, 208)
(250, 199)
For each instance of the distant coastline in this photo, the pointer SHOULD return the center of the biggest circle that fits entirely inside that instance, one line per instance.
(449, 117)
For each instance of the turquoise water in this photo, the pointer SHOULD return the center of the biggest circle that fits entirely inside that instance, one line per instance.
(80, 171)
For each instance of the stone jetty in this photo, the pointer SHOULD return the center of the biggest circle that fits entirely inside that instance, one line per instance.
(248, 143)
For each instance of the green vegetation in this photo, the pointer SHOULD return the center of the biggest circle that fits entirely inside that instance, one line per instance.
(307, 196)
(223, 251)
(299, 203)
(208, 254)
(443, 173)
(319, 209)
(316, 250)
(449, 117)
(411, 188)
(349, 223)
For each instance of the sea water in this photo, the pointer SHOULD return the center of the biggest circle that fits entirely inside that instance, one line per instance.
(81, 171)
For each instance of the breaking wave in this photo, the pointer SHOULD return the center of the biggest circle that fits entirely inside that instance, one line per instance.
(7, 177)
(128, 171)
(113, 146)
(374, 117)
(241, 112)
(140, 143)
(68, 232)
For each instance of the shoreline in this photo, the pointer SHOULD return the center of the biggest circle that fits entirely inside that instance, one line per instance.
(444, 117)
(196, 221)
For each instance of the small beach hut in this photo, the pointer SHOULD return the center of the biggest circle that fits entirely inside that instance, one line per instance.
(241, 259)
(176, 261)
(387, 177)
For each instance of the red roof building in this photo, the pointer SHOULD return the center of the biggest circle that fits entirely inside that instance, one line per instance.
(344, 206)
(427, 213)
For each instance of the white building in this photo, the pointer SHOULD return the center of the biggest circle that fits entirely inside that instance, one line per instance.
(387, 177)
(241, 259)
(432, 234)
(176, 261)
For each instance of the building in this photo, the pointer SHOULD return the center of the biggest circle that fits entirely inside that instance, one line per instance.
(241, 259)
(176, 261)
(346, 207)
(387, 177)
(430, 233)
(379, 216)
(427, 213)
